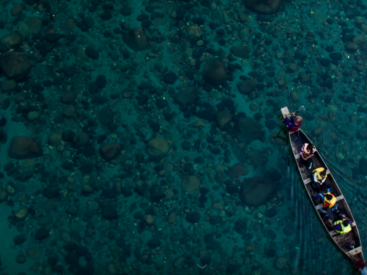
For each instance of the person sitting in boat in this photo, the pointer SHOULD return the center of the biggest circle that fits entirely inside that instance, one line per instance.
(328, 199)
(319, 176)
(293, 122)
(307, 152)
(342, 225)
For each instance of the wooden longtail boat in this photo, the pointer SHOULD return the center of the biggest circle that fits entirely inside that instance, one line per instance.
(297, 140)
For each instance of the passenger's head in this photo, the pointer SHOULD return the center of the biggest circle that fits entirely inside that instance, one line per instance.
(323, 174)
(298, 120)
(328, 197)
(345, 223)
(311, 146)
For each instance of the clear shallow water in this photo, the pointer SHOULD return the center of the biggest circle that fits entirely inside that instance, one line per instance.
(88, 214)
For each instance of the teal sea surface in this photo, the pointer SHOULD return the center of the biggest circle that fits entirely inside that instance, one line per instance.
(139, 137)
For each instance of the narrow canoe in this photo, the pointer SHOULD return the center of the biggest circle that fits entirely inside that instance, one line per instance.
(296, 140)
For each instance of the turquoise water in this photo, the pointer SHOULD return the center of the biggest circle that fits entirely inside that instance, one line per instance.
(137, 136)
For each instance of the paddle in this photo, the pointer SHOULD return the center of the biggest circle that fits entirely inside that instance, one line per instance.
(300, 110)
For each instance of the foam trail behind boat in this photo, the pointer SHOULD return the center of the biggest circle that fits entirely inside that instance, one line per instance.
(298, 220)
(353, 190)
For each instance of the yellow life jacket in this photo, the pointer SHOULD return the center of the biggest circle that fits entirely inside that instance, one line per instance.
(318, 171)
(345, 229)
(332, 201)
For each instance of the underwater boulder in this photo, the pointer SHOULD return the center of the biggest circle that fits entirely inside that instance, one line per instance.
(241, 51)
(237, 170)
(179, 263)
(13, 39)
(8, 85)
(270, 252)
(223, 117)
(136, 39)
(30, 26)
(264, 6)
(153, 243)
(24, 148)
(110, 151)
(41, 234)
(249, 129)
(245, 87)
(281, 263)
(14, 64)
(240, 227)
(190, 184)
(193, 31)
(193, 217)
(214, 71)
(257, 158)
(158, 147)
(270, 213)
(257, 191)
(186, 97)
(109, 212)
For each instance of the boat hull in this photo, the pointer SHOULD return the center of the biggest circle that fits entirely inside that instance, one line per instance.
(297, 140)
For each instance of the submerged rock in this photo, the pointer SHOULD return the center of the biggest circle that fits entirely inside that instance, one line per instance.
(136, 39)
(257, 158)
(3, 195)
(281, 262)
(19, 239)
(264, 6)
(193, 217)
(179, 263)
(214, 71)
(14, 64)
(158, 147)
(186, 96)
(257, 191)
(109, 212)
(11, 40)
(193, 31)
(237, 170)
(170, 77)
(270, 252)
(249, 129)
(30, 26)
(270, 213)
(110, 151)
(8, 85)
(240, 51)
(154, 243)
(24, 148)
(190, 184)
(223, 117)
(41, 233)
(247, 86)
(240, 227)
(21, 213)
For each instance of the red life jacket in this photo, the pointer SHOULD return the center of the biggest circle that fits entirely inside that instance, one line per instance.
(294, 128)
